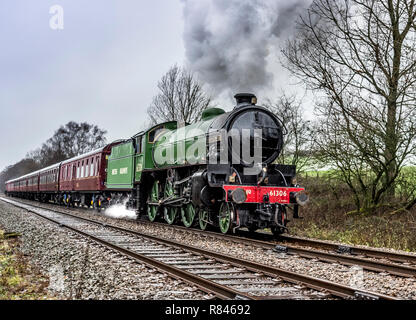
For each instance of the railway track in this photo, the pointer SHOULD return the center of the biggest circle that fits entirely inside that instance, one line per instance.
(328, 252)
(353, 250)
(220, 275)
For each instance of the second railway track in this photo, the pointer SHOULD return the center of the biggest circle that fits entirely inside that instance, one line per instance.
(223, 276)
(367, 258)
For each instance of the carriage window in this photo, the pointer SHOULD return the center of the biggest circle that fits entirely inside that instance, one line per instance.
(87, 169)
(78, 171)
(92, 167)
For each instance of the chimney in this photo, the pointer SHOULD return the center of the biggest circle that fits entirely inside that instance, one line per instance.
(244, 99)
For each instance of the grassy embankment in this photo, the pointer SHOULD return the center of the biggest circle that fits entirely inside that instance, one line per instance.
(328, 217)
(18, 279)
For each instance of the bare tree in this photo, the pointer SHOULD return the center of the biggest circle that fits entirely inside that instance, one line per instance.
(69, 141)
(298, 141)
(181, 98)
(361, 54)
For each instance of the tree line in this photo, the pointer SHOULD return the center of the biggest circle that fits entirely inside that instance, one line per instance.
(68, 141)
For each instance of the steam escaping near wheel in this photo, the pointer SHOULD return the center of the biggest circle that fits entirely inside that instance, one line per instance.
(119, 211)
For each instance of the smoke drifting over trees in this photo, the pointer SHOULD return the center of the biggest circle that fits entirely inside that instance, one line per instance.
(227, 42)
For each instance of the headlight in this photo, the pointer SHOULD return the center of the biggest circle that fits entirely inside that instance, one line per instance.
(302, 198)
(239, 196)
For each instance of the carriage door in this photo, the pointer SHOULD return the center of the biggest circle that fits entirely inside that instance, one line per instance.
(74, 176)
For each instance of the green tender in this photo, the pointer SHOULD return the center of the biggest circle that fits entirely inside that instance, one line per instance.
(120, 173)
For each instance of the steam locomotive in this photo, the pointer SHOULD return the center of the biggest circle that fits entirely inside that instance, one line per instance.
(218, 172)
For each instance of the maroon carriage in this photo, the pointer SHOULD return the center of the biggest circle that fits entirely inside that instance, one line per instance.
(30, 183)
(11, 187)
(49, 182)
(26, 185)
(83, 177)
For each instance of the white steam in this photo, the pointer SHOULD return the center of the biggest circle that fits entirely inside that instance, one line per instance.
(119, 211)
(228, 42)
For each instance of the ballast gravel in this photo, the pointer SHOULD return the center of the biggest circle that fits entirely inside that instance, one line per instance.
(79, 268)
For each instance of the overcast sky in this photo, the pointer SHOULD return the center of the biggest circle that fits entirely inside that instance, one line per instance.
(103, 67)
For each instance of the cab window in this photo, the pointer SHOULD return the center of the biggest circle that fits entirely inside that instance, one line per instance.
(154, 134)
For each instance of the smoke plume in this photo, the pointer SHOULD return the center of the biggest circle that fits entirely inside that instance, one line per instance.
(228, 42)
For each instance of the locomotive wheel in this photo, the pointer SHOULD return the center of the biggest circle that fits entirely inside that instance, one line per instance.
(153, 198)
(169, 213)
(203, 218)
(188, 215)
(225, 218)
